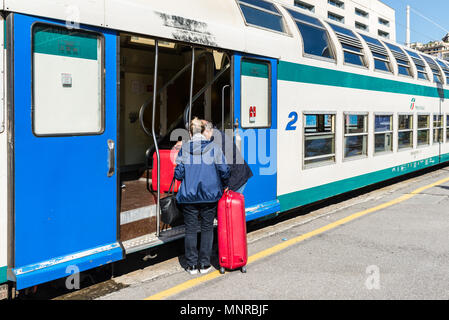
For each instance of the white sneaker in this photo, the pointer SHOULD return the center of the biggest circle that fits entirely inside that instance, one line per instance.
(192, 270)
(205, 269)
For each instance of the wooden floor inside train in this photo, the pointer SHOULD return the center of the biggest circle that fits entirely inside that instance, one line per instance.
(137, 209)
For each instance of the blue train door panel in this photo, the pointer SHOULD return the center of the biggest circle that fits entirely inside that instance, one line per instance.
(65, 132)
(255, 120)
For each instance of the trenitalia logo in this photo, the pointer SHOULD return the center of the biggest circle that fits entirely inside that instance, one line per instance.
(412, 106)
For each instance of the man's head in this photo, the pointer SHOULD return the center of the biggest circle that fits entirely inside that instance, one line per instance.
(208, 129)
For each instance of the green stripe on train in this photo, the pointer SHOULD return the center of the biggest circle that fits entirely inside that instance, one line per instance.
(3, 277)
(62, 42)
(289, 71)
(301, 198)
(255, 69)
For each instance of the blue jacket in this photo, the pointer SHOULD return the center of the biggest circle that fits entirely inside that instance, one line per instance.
(203, 172)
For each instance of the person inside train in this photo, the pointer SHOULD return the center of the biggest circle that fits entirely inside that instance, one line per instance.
(203, 172)
(240, 172)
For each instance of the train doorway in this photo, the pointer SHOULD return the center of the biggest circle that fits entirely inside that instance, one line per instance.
(211, 100)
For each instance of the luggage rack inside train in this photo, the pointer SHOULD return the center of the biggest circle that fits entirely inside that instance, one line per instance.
(163, 86)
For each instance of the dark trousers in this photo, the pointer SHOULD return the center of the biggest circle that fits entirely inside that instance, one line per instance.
(206, 211)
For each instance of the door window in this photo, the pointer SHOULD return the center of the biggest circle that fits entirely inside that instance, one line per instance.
(67, 81)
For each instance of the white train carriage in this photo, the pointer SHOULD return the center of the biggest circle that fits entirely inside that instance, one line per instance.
(317, 108)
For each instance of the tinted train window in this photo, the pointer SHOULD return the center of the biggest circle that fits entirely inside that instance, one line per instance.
(420, 65)
(262, 14)
(435, 70)
(380, 55)
(319, 139)
(352, 47)
(437, 128)
(383, 137)
(447, 128)
(423, 130)
(405, 131)
(314, 35)
(445, 70)
(356, 135)
(67, 81)
(401, 60)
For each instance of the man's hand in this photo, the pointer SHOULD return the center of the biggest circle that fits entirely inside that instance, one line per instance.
(178, 145)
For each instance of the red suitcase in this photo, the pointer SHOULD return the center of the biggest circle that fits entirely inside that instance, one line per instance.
(168, 165)
(232, 245)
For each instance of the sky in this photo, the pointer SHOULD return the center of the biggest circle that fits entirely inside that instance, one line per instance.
(421, 29)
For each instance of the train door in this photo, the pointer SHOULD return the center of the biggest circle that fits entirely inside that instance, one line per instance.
(64, 102)
(255, 123)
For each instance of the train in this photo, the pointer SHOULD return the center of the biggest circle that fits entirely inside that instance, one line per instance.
(91, 90)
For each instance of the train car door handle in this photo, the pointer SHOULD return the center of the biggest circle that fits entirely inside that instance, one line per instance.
(111, 158)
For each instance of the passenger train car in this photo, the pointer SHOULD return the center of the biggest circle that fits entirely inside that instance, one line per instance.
(317, 108)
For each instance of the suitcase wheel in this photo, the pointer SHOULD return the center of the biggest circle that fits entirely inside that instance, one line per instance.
(222, 270)
(244, 269)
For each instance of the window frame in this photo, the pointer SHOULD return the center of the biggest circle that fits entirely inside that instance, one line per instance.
(446, 127)
(305, 135)
(102, 92)
(329, 40)
(361, 54)
(286, 31)
(412, 130)
(398, 56)
(270, 93)
(304, 5)
(378, 153)
(428, 129)
(441, 127)
(366, 133)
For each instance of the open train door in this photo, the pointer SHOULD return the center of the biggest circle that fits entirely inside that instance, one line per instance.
(63, 97)
(255, 124)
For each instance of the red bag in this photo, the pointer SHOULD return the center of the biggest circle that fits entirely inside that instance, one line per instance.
(168, 165)
(232, 244)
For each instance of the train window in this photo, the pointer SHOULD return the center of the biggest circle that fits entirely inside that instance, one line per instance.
(435, 70)
(262, 14)
(383, 137)
(380, 55)
(352, 46)
(405, 131)
(420, 65)
(256, 94)
(445, 70)
(401, 60)
(423, 129)
(67, 81)
(315, 38)
(356, 135)
(447, 128)
(319, 139)
(437, 128)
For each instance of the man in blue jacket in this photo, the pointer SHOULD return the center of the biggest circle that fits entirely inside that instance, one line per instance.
(203, 172)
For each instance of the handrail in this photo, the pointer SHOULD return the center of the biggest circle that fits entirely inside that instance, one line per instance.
(147, 102)
(199, 93)
(156, 64)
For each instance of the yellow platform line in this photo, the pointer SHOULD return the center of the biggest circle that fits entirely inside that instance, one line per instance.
(270, 251)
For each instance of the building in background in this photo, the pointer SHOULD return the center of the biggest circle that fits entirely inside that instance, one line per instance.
(435, 48)
(372, 16)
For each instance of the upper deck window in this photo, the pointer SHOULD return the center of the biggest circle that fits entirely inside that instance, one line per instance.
(352, 47)
(380, 55)
(420, 65)
(401, 59)
(262, 14)
(435, 70)
(314, 35)
(305, 6)
(445, 69)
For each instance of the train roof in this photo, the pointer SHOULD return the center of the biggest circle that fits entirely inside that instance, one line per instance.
(221, 24)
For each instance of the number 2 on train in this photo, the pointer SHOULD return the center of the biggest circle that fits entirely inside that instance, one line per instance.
(291, 126)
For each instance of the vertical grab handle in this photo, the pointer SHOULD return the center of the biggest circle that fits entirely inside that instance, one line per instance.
(111, 158)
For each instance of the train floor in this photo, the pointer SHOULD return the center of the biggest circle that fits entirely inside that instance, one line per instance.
(388, 243)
